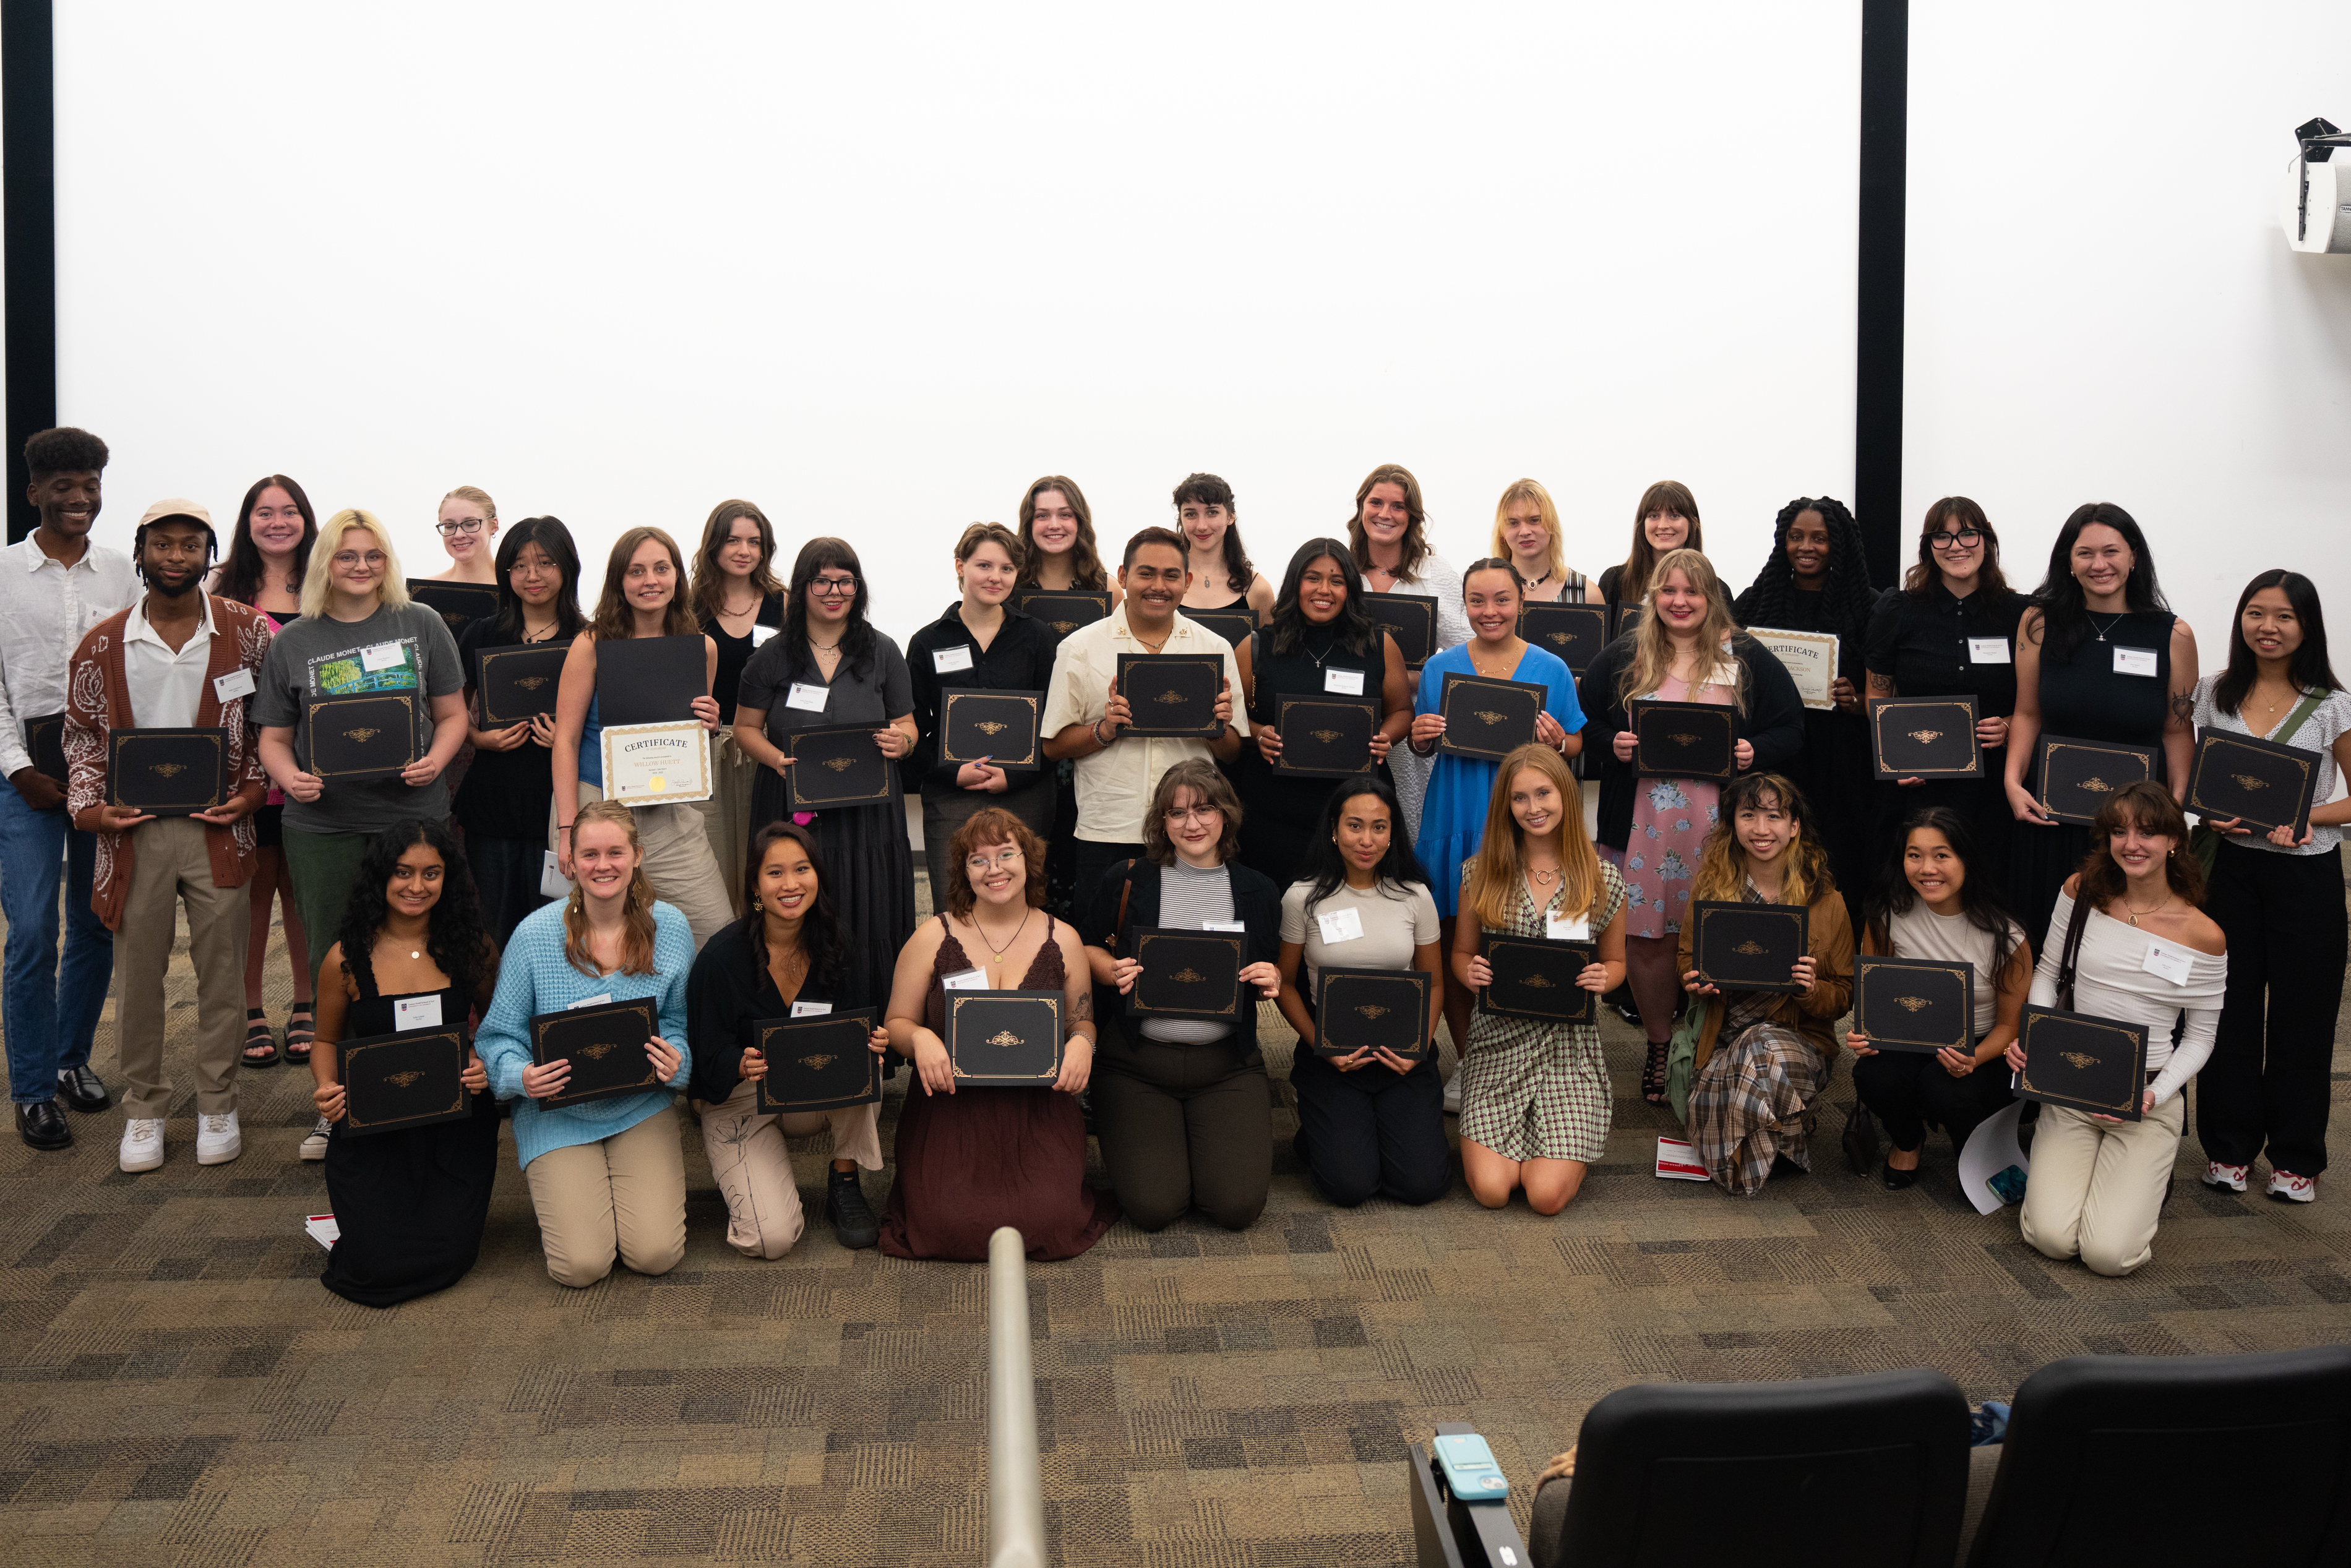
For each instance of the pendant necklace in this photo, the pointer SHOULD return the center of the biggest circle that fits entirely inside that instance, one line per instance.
(990, 942)
(2109, 625)
(2135, 913)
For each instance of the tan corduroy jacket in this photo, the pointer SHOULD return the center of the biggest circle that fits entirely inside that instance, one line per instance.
(1814, 1016)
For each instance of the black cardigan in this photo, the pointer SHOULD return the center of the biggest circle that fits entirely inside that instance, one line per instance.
(1773, 724)
(727, 992)
(1257, 905)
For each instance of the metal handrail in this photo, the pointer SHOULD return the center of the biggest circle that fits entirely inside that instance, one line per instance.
(1015, 1488)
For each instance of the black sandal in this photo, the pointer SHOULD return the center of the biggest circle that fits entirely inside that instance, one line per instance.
(298, 1024)
(259, 1038)
(1653, 1072)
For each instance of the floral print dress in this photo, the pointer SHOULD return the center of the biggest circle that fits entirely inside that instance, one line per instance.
(1671, 818)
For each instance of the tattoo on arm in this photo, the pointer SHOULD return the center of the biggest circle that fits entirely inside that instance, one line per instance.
(2183, 705)
(1083, 1009)
(1880, 685)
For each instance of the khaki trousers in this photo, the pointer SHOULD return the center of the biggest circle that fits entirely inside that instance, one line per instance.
(172, 865)
(727, 815)
(2096, 1187)
(678, 862)
(623, 1198)
(755, 1173)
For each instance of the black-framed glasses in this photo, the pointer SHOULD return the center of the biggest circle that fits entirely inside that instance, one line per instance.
(834, 587)
(462, 526)
(1956, 538)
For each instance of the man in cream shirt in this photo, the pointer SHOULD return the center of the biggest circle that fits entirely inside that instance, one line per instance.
(1086, 718)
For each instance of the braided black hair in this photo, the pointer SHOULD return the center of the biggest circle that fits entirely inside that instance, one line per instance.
(1847, 597)
(453, 934)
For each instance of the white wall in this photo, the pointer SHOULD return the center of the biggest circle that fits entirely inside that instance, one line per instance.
(2102, 305)
(875, 268)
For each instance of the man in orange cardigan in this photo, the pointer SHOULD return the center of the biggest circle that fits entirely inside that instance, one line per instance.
(178, 659)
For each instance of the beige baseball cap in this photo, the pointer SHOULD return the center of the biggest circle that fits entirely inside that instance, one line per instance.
(177, 508)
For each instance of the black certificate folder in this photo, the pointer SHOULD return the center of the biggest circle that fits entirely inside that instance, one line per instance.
(823, 1062)
(1378, 1008)
(518, 683)
(455, 603)
(1925, 738)
(2076, 776)
(1171, 693)
(1915, 1004)
(1410, 619)
(1535, 977)
(650, 680)
(605, 1045)
(1576, 632)
(1325, 738)
(368, 736)
(2257, 782)
(838, 767)
(1004, 1039)
(395, 1081)
(1001, 727)
(45, 739)
(1188, 974)
(1487, 717)
(2083, 1062)
(167, 773)
(1685, 740)
(1747, 946)
(1063, 610)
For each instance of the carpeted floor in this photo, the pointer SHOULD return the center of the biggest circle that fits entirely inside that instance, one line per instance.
(175, 1388)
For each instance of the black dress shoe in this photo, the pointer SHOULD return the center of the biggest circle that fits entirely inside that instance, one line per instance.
(1896, 1180)
(853, 1225)
(43, 1126)
(81, 1088)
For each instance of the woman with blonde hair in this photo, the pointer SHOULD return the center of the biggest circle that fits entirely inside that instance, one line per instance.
(1535, 1099)
(606, 1176)
(1759, 1060)
(739, 605)
(644, 596)
(360, 635)
(1653, 828)
(1526, 534)
(467, 523)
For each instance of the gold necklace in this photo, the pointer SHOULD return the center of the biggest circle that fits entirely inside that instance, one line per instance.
(1501, 674)
(990, 942)
(2135, 913)
(1543, 878)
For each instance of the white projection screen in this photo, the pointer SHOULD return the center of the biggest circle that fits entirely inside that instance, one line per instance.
(877, 267)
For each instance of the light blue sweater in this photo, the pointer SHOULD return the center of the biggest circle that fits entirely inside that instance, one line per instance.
(534, 978)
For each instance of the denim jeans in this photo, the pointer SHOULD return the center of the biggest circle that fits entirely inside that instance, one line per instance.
(48, 1013)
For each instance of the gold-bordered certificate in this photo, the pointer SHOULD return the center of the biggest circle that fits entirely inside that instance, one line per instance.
(1810, 657)
(656, 764)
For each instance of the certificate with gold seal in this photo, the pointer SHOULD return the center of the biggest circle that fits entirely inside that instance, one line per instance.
(1809, 657)
(650, 764)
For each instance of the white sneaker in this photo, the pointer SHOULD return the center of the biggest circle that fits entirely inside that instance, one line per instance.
(2232, 1177)
(1453, 1096)
(314, 1147)
(218, 1140)
(2294, 1189)
(142, 1144)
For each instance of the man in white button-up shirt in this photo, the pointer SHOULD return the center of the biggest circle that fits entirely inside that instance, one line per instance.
(54, 587)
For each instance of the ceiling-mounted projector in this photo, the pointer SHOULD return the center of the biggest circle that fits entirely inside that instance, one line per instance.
(2317, 210)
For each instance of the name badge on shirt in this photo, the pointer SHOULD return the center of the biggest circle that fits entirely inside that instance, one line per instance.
(2166, 962)
(2134, 661)
(234, 685)
(1344, 925)
(1346, 682)
(383, 656)
(807, 697)
(947, 659)
(965, 980)
(416, 1012)
(1567, 927)
(599, 1000)
(1224, 925)
(1988, 651)
(760, 634)
(810, 1009)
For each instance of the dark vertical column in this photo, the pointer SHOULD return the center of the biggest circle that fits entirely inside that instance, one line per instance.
(28, 208)
(1878, 359)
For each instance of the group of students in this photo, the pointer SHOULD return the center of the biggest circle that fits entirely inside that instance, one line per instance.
(738, 908)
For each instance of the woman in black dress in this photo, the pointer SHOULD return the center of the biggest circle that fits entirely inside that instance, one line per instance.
(1320, 642)
(1950, 632)
(1058, 552)
(740, 605)
(412, 954)
(1222, 576)
(2099, 656)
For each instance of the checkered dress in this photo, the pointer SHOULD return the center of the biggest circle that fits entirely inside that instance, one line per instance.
(1534, 1090)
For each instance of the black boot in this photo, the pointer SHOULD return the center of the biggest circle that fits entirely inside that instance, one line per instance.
(43, 1126)
(853, 1225)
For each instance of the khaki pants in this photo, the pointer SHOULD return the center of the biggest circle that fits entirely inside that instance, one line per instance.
(727, 815)
(623, 1198)
(754, 1173)
(678, 862)
(2096, 1187)
(171, 864)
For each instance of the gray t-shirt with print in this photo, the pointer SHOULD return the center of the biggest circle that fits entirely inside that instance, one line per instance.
(407, 650)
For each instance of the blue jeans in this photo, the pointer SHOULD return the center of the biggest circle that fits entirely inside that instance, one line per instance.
(48, 1013)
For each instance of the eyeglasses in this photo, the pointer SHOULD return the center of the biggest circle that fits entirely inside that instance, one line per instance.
(1194, 813)
(980, 865)
(834, 587)
(1962, 538)
(351, 558)
(462, 526)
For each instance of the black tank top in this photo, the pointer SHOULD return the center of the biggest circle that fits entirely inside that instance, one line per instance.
(374, 1015)
(1299, 674)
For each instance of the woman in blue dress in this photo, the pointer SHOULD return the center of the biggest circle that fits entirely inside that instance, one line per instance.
(1453, 812)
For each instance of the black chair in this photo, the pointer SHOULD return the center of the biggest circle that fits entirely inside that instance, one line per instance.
(2155, 1459)
(1862, 1472)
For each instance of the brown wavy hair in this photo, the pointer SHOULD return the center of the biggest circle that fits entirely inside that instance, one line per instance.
(1968, 514)
(1499, 869)
(710, 578)
(637, 929)
(613, 620)
(1210, 786)
(1665, 495)
(992, 825)
(1722, 864)
(1085, 560)
(240, 571)
(1415, 533)
(2149, 807)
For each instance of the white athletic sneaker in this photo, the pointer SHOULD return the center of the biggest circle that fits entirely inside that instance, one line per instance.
(1453, 1096)
(142, 1144)
(2232, 1177)
(218, 1140)
(314, 1147)
(2294, 1189)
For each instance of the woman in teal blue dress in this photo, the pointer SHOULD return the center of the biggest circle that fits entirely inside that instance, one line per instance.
(1453, 813)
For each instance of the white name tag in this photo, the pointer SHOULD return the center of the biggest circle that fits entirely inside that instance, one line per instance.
(944, 660)
(965, 980)
(383, 656)
(2167, 962)
(598, 1000)
(2134, 661)
(416, 1012)
(1223, 925)
(1347, 683)
(234, 685)
(552, 882)
(1567, 927)
(810, 1009)
(1343, 927)
(1988, 651)
(807, 697)
(760, 634)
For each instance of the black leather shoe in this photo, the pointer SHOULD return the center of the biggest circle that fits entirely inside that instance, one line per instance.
(1896, 1180)
(853, 1225)
(43, 1126)
(81, 1088)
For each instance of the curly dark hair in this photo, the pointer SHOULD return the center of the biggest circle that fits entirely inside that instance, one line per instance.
(1846, 599)
(453, 934)
(992, 825)
(828, 956)
(65, 450)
